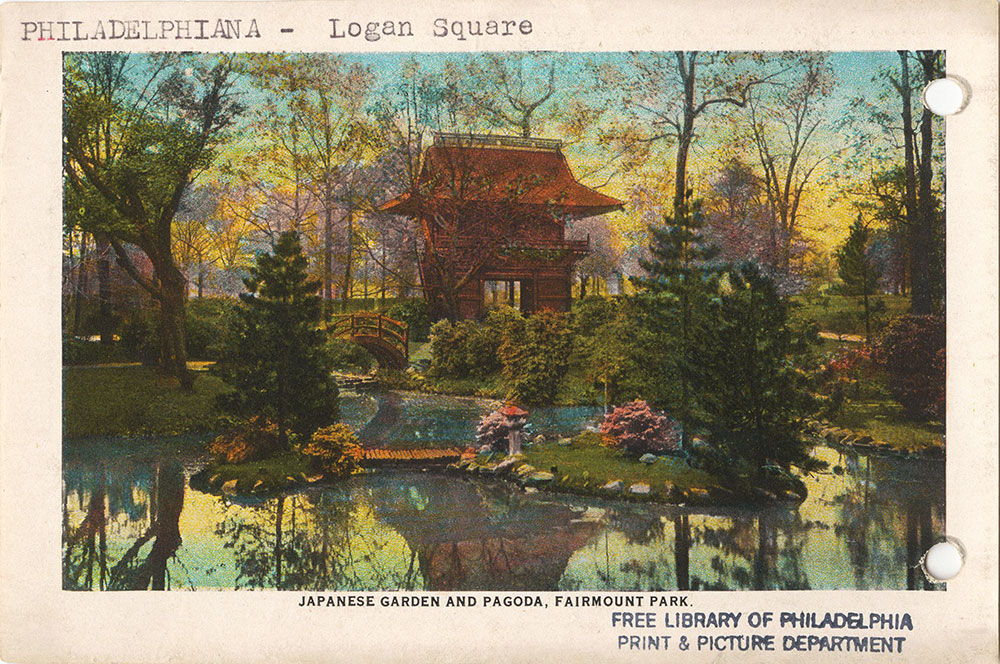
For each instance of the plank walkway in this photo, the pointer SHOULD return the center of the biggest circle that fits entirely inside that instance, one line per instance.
(434, 455)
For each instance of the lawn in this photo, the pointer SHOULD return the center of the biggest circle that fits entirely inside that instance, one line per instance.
(884, 420)
(135, 400)
(844, 314)
(586, 465)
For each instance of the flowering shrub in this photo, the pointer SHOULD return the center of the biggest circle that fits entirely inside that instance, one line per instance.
(851, 363)
(492, 431)
(636, 429)
(252, 440)
(334, 450)
(911, 351)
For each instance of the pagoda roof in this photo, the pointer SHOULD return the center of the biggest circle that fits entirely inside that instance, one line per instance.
(499, 169)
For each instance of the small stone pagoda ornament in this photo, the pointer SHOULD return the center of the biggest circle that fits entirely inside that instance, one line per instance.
(516, 419)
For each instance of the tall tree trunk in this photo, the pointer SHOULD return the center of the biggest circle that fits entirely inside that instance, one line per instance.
(922, 226)
(173, 354)
(686, 66)
(81, 285)
(327, 255)
(107, 323)
(350, 259)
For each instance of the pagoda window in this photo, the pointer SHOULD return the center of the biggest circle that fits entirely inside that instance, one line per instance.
(501, 292)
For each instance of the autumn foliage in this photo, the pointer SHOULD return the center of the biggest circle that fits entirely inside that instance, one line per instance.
(252, 440)
(636, 429)
(334, 450)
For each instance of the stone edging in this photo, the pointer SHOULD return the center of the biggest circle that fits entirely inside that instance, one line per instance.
(516, 470)
(860, 441)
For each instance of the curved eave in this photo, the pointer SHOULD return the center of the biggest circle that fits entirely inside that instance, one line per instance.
(410, 206)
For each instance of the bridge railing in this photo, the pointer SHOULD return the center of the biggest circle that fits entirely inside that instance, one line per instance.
(366, 323)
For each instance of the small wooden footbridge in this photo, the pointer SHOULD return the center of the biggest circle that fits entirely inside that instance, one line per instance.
(386, 339)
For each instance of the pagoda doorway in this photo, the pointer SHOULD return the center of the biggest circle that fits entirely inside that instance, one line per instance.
(505, 292)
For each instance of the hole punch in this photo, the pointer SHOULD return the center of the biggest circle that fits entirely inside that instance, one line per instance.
(944, 560)
(946, 96)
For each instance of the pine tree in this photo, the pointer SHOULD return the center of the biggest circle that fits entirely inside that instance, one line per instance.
(680, 273)
(857, 270)
(750, 394)
(277, 362)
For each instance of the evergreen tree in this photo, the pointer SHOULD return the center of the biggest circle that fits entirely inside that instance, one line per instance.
(277, 362)
(750, 394)
(680, 273)
(857, 270)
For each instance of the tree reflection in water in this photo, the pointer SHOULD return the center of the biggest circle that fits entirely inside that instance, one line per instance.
(865, 527)
(387, 534)
(139, 567)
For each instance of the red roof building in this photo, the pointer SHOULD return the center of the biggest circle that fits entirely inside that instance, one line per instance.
(493, 212)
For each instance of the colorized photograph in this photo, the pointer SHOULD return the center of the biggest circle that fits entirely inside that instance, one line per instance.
(507, 321)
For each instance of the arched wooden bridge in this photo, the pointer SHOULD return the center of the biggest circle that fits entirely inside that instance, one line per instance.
(386, 339)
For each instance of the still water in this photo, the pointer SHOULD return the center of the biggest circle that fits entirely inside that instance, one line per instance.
(131, 521)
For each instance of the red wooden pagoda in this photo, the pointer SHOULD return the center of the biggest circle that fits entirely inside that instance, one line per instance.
(493, 211)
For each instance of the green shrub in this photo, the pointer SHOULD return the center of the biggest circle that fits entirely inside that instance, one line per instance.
(414, 313)
(912, 353)
(394, 379)
(462, 349)
(205, 323)
(252, 440)
(78, 351)
(591, 313)
(535, 361)
(349, 357)
(334, 450)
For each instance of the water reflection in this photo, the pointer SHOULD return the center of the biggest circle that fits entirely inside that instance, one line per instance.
(132, 522)
(410, 416)
(145, 511)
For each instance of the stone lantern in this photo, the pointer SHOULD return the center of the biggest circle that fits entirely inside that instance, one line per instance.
(516, 419)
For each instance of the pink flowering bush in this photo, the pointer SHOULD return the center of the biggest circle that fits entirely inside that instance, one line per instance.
(636, 429)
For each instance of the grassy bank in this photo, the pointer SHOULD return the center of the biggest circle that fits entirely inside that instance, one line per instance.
(844, 314)
(135, 400)
(883, 420)
(586, 465)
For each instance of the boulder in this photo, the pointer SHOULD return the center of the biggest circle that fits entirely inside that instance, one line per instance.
(615, 486)
(538, 478)
(697, 493)
(524, 470)
(229, 487)
(639, 489)
(721, 494)
(506, 464)
(764, 495)
(648, 458)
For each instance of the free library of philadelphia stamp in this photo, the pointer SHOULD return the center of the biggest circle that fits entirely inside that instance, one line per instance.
(634, 332)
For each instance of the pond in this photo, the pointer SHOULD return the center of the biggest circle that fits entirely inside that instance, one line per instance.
(131, 520)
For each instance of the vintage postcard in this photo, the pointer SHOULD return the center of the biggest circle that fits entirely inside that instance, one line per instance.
(463, 331)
